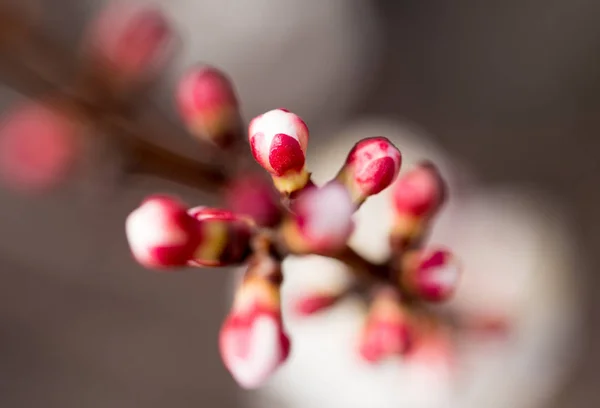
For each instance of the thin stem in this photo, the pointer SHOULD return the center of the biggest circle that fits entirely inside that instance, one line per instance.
(362, 267)
(153, 160)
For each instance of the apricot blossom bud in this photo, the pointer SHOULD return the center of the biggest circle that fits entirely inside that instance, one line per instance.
(486, 325)
(433, 349)
(420, 192)
(39, 145)
(278, 140)
(387, 331)
(322, 220)
(209, 106)
(253, 342)
(431, 274)
(162, 234)
(316, 302)
(371, 166)
(254, 196)
(134, 40)
(225, 237)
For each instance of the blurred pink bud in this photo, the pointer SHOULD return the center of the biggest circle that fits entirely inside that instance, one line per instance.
(225, 237)
(433, 349)
(253, 342)
(133, 39)
(431, 274)
(387, 331)
(372, 165)
(254, 197)
(38, 146)
(487, 325)
(208, 105)
(161, 234)
(279, 140)
(420, 192)
(313, 303)
(322, 221)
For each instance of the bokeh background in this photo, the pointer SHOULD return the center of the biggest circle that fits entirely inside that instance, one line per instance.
(510, 88)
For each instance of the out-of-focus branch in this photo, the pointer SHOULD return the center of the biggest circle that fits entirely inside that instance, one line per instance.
(361, 267)
(144, 156)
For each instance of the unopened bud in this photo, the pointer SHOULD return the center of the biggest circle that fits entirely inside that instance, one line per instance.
(322, 220)
(225, 237)
(253, 196)
(420, 192)
(133, 40)
(279, 140)
(431, 274)
(372, 165)
(162, 234)
(312, 303)
(208, 104)
(417, 196)
(39, 146)
(433, 350)
(486, 325)
(253, 341)
(387, 331)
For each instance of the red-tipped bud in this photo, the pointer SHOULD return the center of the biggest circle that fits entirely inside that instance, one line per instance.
(208, 105)
(254, 197)
(225, 237)
(316, 302)
(431, 274)
(133, 40)
(253, 342)
(39, 145)
(162, 234)
(278, 140)
(372, 165)
(322, 221)
(387, 331)
(420, 192)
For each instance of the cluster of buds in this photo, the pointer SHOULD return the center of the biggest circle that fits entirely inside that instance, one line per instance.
(263, 221)
(164, 234)
(262, 228)
(414, 275)
(125, 47)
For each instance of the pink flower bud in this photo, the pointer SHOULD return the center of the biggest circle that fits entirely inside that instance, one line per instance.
(208, 105)
(253, 342)
(254, 197)
(313, 303)
(39, 145)
(372, 165)
(161, 234)
(431, 274)
(225, 237)
(435, 350)
(420, 192)
(134, 40)
(487, 326)
(322, 221)
(387, 331)
(278, 140)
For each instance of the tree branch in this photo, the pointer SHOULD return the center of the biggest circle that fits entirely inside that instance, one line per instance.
(147, 157)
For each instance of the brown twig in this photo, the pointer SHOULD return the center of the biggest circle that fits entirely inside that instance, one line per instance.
(363, 268)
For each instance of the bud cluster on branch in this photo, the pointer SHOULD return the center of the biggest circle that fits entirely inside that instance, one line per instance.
(263, 221)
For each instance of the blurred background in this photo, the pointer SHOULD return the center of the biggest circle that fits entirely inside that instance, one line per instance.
(509, 89)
